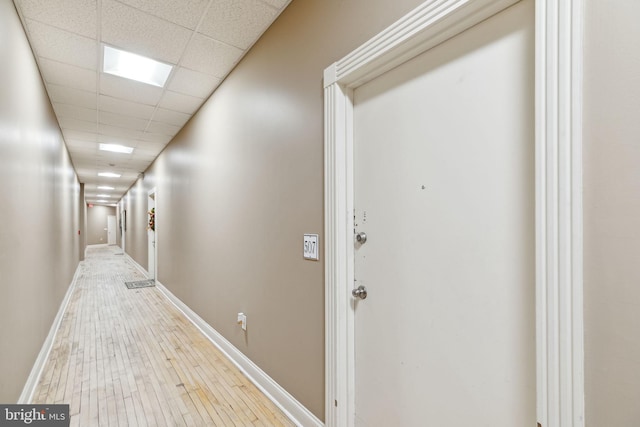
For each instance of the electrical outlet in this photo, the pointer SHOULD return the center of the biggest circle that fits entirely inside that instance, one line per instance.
(242, 319)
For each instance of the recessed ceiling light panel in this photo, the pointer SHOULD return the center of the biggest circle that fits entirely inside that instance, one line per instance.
(135, 67)
(115, 148)
(103, 195)
(109, 175)
(104, 187)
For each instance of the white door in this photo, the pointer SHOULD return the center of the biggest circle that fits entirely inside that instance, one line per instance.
(111, 229)
(151, 238)
(444, 190)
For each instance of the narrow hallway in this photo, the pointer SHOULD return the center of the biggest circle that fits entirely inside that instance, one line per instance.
(129, 357)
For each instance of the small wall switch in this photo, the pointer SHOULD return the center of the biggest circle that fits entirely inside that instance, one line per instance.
(242, 319)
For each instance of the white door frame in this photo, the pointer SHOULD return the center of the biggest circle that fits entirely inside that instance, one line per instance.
(153, 195)
(558, 127)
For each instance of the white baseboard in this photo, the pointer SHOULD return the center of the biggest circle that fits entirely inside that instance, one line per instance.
(30, 386)
(300, 415)
(293, 409)
(135, 264)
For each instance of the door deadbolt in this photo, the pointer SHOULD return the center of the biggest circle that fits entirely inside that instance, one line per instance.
(361, 237)
(360, 292)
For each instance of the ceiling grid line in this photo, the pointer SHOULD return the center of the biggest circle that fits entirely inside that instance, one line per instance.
(203, 40)
(173, 73)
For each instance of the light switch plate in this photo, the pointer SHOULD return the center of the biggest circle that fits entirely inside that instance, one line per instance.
(310, 249)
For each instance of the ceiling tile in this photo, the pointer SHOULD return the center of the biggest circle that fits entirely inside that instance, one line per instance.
(163, 128)
(121, 106)
(278, 4)
(76, 16)
(126, 174)
(74, 112)
(66, 95)
(94, 107)
(119, 161)
(75, 124)
(84, 160)
(119, 132)
(140, 166)
(81, 144)
(157, 138)
(148, 154)
(179, 102)
(193, 83)
(141, 33)
(80, 136)
(120, 120)
(62, 46)
(83, 150)
(210, 56)
(110, 139)
(237, 22)
(149, 158)
(148, 145)
(137, 162)
(118, 87)
(85, 170)
(182, 12)
(172, 117)
(67, 75)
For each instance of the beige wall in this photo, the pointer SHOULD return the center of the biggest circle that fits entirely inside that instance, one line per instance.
(97, 224)
(612, 213)
(40, 198)
(243, 182)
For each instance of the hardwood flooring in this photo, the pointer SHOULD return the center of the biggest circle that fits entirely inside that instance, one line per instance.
(128, 357)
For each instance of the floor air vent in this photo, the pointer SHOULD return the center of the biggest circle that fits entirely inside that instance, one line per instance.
(140, 284)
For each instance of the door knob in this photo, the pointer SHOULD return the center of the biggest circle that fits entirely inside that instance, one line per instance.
(361, 237)
(360, 292)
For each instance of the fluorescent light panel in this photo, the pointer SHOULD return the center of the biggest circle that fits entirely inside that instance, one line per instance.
(104, 187)
(115, 148)
(102, 201)
(109, 174)
(135, 67)
(103, 195)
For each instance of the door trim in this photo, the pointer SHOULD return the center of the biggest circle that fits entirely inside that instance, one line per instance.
(558, 127)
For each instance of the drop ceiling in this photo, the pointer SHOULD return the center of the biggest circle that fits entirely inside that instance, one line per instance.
(202, 39)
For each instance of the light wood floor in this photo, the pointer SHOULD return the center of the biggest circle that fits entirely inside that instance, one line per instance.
(130, 358)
